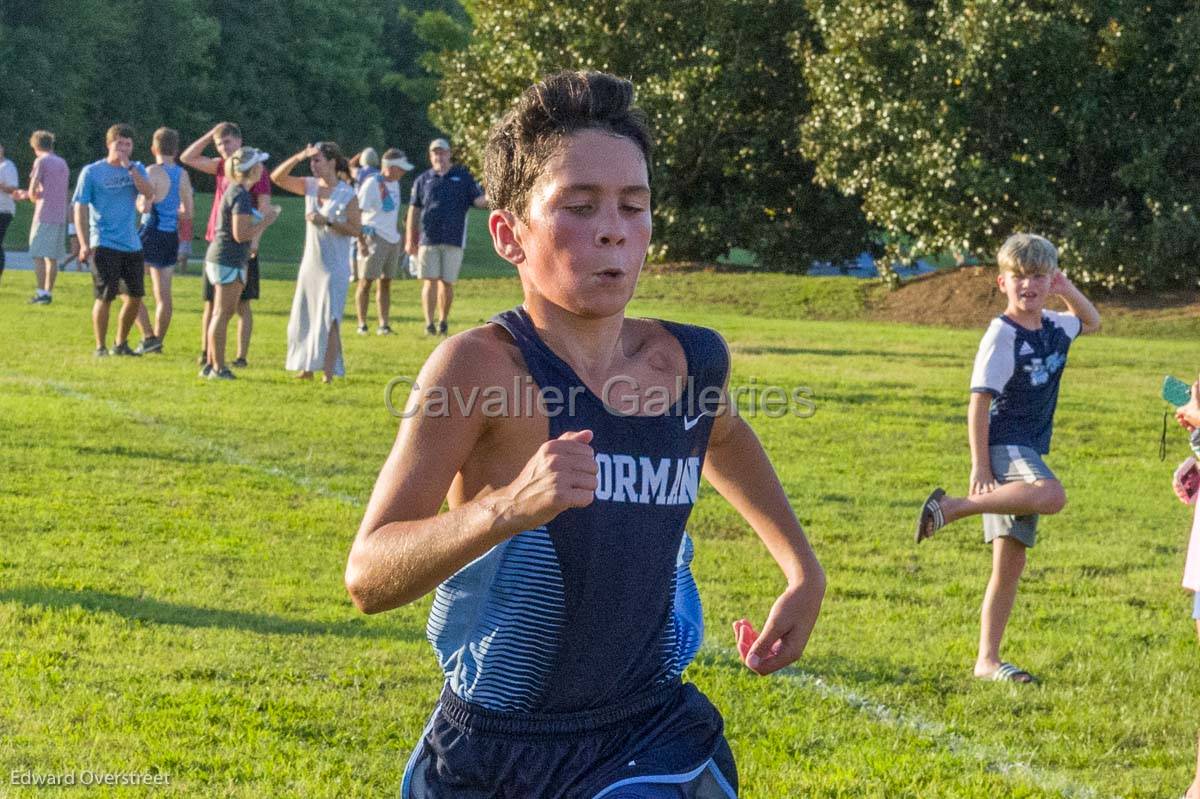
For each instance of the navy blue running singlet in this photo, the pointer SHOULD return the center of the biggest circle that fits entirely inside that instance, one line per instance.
(598, 605)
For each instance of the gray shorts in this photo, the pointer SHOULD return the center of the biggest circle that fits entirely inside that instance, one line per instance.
(1009, 464)
(439, 262)
(48, 240)
(379, 259)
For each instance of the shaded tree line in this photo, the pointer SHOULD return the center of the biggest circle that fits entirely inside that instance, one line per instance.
(805, 129)
(287, 71)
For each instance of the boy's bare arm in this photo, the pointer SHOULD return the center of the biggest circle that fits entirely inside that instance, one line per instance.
(978, 419)
(193, 155)
(404, 547)
(738, 467)
(263, 203)
(187, 197)
(82, 231)
(1077, 304)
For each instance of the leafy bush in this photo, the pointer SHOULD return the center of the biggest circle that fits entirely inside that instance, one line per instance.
(960, 121)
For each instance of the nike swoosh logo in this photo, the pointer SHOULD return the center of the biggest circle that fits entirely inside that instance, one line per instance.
(688, 424)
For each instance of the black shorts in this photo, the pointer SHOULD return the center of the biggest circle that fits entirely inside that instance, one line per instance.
(117, 272)
(159, 247)
(249, 291)
(668, 746)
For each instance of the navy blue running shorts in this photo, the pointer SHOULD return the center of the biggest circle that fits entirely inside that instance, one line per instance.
(666, 745)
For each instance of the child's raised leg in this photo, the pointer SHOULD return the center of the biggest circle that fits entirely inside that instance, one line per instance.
(1043, 497)
(1020, 484)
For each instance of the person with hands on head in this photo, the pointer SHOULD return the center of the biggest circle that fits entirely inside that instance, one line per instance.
(226, 137)
(106, 222)
(333, 221)
(226, 262)
(565, 611)
(1014, 392)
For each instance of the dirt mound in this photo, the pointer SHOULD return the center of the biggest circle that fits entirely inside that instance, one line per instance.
(965, 297)
(969, 297)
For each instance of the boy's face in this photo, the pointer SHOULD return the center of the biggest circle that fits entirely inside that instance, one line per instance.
(588, 225)
(120, 148)
(228, 144)
(1025, 293)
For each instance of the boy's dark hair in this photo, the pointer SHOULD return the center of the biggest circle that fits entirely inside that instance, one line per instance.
(167, 141)
(546, 113)
(227, 129)
(118, 131)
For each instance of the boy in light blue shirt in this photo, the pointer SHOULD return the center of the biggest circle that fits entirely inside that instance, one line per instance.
(106, 221)
(1014, 391)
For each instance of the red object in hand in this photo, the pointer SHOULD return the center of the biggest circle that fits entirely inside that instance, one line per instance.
(746, 636)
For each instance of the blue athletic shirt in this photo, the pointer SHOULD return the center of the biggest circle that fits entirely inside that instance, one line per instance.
(111, 197)
(164, 214)
(598, 606)
(444, 201)
(1022, 369)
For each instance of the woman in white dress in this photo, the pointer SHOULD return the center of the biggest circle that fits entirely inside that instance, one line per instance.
(332, 222)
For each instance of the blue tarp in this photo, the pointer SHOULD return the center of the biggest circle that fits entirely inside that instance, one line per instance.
(864, 267)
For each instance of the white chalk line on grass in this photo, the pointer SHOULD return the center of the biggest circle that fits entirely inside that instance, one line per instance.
(994, 759)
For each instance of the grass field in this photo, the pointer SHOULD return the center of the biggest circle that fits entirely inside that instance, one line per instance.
(171, 556)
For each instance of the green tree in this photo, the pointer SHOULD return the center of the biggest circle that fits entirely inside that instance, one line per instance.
(77, 67)
(960, 121)
(412, 36)
(723, 91)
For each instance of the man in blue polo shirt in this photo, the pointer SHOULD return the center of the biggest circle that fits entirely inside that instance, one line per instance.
(443, 194)
(106, 222)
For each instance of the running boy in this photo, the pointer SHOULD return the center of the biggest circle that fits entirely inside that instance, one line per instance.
(1014, 390)
(565, 612)
(106, 224)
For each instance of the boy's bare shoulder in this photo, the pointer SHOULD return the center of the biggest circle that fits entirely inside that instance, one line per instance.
(482, 356)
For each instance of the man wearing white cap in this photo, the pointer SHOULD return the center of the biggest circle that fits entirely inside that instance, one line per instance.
(380, 250)
(443, 194)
